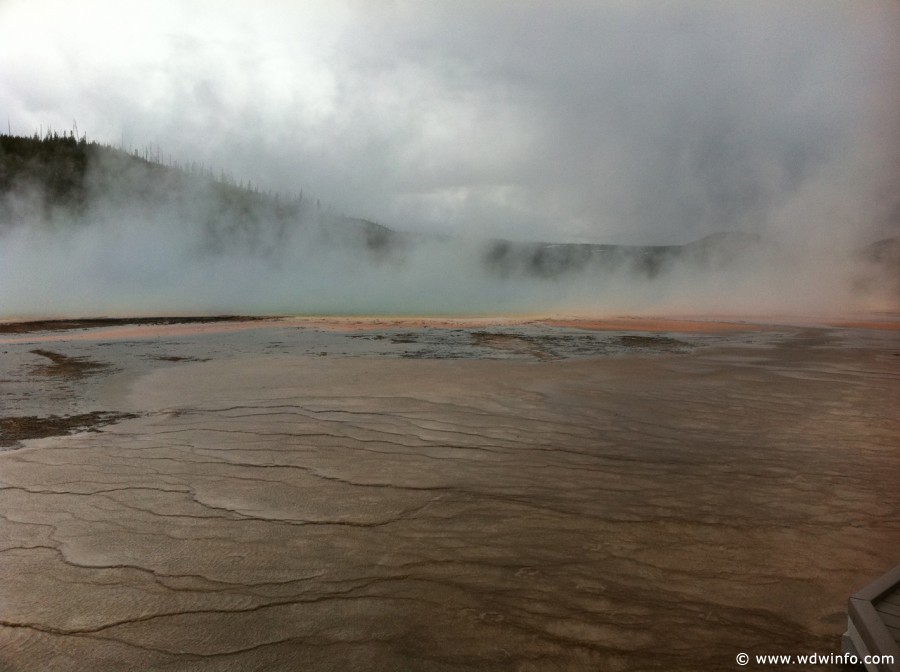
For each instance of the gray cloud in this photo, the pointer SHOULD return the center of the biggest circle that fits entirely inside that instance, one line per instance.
(636, 122)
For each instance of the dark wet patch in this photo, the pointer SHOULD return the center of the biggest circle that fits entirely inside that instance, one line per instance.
(177, 358)
(66, 366)
(536, 346)
(525, 344)
(408, 337)
(654, 342)
(15, 429)
(94, 323)
(433, 353)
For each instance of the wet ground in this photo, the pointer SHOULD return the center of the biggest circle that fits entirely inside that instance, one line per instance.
(59, 368)
(406, 497)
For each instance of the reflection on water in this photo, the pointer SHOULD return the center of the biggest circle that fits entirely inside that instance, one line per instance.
(506, 498)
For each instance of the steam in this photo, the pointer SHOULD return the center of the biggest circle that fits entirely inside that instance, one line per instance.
(150, 241)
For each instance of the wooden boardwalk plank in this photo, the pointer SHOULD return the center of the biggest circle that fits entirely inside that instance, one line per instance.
(874, 615)
(885, 587)
(890, 620)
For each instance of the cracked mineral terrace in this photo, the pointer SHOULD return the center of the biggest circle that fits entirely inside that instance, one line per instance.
(441, 495)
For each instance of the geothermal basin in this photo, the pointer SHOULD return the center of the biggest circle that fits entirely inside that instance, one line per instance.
(439, 494)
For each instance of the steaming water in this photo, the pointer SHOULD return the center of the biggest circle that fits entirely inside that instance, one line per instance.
(185, 249)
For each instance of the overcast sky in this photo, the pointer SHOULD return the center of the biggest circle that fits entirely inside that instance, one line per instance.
(631, 122)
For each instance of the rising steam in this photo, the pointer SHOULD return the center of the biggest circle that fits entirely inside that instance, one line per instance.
(133, 237)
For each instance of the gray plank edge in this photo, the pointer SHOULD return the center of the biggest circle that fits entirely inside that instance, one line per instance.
(883, 584)
(874, 633)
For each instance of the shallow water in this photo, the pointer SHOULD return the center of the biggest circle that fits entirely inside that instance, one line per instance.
(521, 499)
